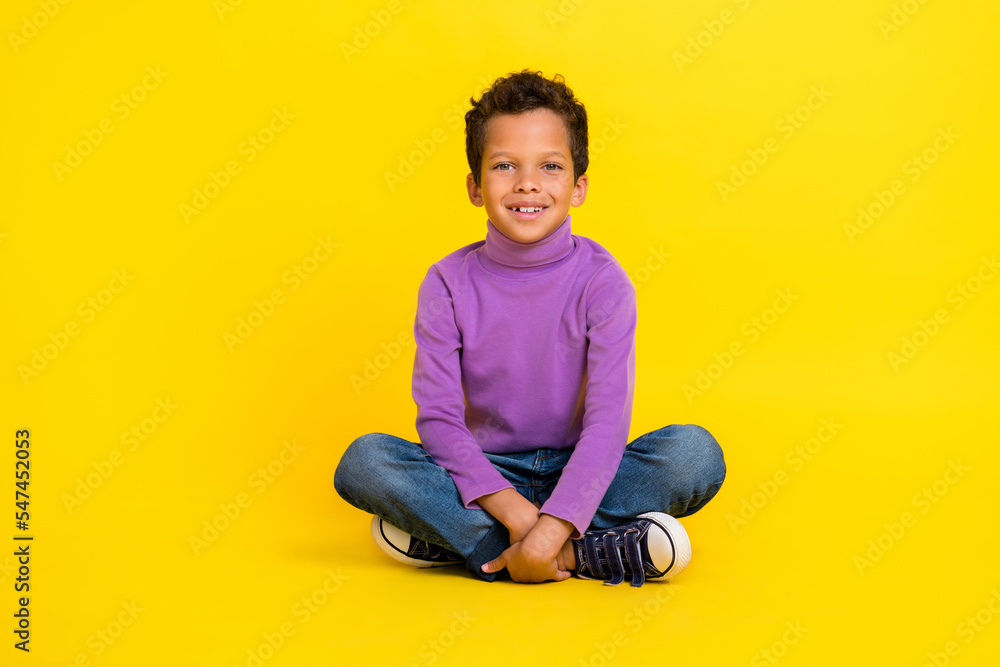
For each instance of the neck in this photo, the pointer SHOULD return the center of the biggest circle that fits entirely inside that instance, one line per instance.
(506, 255)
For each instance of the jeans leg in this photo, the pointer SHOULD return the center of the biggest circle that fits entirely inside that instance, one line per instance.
(676, 470)
(399, 481)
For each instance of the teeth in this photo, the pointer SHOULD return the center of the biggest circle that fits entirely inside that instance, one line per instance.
(528, 210)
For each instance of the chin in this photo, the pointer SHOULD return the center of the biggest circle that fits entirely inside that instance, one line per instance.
(526, 236)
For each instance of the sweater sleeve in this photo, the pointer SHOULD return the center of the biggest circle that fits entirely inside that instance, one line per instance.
(440, 398)
(610, 379)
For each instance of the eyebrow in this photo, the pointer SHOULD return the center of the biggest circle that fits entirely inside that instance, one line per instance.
(502, 153)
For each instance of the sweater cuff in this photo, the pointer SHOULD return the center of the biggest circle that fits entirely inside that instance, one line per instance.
(471, 493)
(566, 516)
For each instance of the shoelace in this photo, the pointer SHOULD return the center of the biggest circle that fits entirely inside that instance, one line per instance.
(613, 556)
(423, 549)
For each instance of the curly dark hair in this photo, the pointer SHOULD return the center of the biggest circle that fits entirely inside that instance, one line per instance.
(519, 92)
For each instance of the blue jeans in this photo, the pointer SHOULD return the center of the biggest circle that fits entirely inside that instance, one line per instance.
(675, 469)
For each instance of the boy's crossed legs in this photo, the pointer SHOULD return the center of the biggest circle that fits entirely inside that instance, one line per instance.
(674, 470)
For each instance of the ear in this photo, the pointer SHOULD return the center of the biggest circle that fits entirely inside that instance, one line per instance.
(580, 190)
(475, 192)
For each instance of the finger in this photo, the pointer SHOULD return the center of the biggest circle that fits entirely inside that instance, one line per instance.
(562, 575)
(495, 565)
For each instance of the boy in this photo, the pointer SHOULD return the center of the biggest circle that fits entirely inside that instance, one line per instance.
(523, 380)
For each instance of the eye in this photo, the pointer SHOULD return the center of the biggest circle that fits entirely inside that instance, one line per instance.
(552, 164)
(500, 167)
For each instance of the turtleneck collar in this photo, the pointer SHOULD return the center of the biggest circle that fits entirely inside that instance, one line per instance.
(511, 257)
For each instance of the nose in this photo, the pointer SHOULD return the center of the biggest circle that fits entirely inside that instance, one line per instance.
(526, 183)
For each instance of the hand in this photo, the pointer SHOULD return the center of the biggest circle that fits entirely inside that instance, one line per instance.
(541, 556)
(526, 565)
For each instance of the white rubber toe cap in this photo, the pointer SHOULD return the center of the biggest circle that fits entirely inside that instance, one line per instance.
(668, 544)
(395, 537)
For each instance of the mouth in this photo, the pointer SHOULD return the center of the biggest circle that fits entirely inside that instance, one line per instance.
(527, 212)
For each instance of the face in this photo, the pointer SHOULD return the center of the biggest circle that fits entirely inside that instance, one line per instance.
(527, 164)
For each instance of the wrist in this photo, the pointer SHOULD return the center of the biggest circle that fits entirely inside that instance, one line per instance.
(549, 534)
(520, 523)
(511, 509)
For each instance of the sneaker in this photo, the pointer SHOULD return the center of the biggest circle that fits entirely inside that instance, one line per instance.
(655, 544)
(407, 549)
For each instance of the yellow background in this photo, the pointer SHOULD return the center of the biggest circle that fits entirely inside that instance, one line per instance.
(670, 131)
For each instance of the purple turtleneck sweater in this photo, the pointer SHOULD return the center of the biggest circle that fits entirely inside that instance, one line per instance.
(524, 346)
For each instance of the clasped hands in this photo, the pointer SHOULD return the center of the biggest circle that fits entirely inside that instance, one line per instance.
(539, 548)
